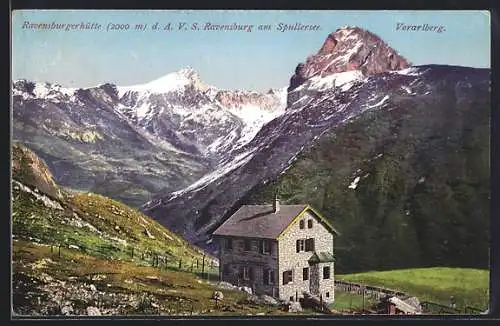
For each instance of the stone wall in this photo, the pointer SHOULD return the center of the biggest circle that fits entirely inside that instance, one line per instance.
(254, 259)
(291, 260)
(327, 286)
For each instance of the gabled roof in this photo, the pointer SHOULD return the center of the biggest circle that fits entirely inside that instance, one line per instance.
(260, 221)
(321, 257)
(323, 220)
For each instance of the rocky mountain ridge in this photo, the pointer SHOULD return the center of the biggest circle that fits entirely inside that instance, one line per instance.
(133, 141)
(320, 101)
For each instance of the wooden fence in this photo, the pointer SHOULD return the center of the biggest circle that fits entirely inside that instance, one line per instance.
(203, 266)
(367, 290)
(378, 292)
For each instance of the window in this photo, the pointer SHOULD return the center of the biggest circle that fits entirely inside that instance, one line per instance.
(309, 224)
(225, 269)
(309, 244)
(287, 277)
(327, 294)
(305, 273)
(268, 276)
(248, 245)
(292, 298)
(326, 272)
(265, 276)
(300, 245)
(246, 272)
(229, 244)
(301, 224)
(266, 247)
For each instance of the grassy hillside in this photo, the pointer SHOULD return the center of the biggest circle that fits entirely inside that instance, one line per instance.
(47, 283)
(78, 253)
(96, 225)
(468, 286)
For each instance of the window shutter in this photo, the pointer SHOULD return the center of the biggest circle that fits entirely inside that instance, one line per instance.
(273, 277)
(241, 272)
(305, 274)
(326, 272)
(310, 244)
(261, 246)
(298, 245)
(251, 273)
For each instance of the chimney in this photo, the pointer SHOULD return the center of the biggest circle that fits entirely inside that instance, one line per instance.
(276, 204)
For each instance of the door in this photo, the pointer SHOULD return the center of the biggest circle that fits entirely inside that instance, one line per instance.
(314, 279)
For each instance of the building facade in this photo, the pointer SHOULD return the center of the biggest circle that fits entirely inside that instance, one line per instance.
(281, 251)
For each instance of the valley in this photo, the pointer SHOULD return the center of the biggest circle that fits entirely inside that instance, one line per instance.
(117, 190)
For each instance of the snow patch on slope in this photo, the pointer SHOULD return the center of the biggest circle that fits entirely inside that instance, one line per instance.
(412, 71)
(382, 101)
(354, 183)
(168, 83)
(223, 169)
(254, 118)
(341, 79)
(46, 91)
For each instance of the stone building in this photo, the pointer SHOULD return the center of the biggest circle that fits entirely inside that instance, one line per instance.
(278, 250)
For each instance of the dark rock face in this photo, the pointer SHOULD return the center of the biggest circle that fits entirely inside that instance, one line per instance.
(411, 179)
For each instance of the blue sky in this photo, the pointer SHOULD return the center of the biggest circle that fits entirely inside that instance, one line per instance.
(227, 59)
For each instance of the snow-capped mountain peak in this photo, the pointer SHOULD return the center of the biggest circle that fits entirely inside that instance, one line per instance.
(176, 110)
(171, 82)
(348, 54)
(54, 92)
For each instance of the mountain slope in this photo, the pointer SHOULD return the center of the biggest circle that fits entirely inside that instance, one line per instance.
(84, 254)
(78, 253)
(91, 222)
(127, 142)
(408, 182)
(410, 113)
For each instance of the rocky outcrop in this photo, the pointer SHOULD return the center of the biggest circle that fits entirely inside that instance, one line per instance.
(270, 101)
(131, 142)
(264, 300)
(347, 49)
(294, 307)
(28, 168)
